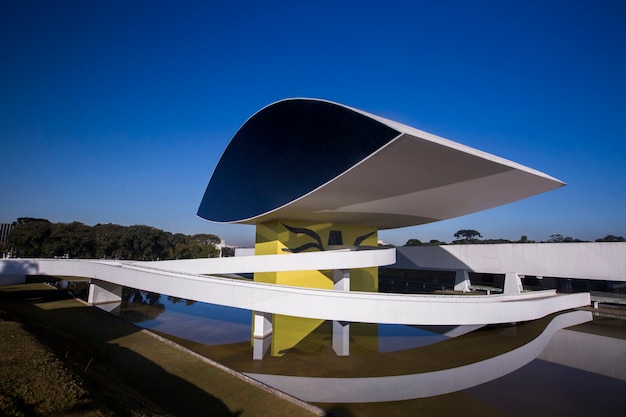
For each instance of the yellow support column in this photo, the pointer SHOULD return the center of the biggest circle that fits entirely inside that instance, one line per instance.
(286, 237)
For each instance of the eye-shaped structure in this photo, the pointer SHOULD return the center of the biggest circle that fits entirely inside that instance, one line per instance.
(318, 161)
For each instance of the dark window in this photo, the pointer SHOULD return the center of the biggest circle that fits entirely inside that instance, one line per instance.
(335, 238)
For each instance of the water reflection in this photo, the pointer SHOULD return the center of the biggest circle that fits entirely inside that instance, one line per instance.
(217, 325)
(204, 323)
(423, 384)
(385, 362)
(140, 306)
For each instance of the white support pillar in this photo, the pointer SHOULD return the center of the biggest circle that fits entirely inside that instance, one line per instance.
(462, 281)
(262, 324)
(341, 338)
(261, 332)
(341, 279)
(512, 284)
(341, 329)
(104, 292)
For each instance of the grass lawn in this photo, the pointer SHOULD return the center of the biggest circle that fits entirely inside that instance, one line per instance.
(62, 357)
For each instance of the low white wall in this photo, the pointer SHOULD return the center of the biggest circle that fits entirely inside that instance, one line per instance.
(599, 261)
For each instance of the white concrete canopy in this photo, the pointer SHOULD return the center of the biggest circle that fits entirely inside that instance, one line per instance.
(322, 162)
(416, 178)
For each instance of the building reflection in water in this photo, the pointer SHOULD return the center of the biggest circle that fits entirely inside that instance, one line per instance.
(424, 384)
(384, 362)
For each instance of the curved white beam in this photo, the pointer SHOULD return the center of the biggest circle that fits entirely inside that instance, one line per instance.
(307, 302)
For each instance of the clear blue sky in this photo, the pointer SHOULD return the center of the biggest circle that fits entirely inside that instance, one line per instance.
(118, 111)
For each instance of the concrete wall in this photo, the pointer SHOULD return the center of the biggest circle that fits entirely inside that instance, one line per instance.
(598, 261)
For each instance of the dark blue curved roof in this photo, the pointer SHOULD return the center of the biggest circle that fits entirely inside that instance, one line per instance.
(283, 152)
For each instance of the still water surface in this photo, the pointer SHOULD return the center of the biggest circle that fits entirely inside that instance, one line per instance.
(486, 371)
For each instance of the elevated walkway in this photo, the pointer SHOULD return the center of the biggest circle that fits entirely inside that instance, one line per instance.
(184, 279)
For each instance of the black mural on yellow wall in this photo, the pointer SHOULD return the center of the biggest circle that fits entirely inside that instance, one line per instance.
(317, 244)
(301, 230)
(360, 239)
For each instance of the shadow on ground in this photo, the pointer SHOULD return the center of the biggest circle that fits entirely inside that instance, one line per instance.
(101, 347)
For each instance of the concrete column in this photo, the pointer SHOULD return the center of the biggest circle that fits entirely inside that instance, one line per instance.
(341, 279)
(262, 325)
(341, 338)
(262, 334)
(104, 292)
(462, 280)
(512, 284)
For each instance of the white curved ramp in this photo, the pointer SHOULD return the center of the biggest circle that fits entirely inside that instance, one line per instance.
(349, 306)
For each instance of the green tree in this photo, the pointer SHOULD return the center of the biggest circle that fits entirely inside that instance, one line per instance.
(413, 242)
(558, 238)
(205, 245)
(611, 238)
(40, 238)
(75, 240)
(29, 237)
(108, 239)
(197, 246)
(467, 236)
(144, 243)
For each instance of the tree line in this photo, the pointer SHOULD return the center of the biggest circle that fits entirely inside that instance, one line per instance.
(39, 238)
(468, 236)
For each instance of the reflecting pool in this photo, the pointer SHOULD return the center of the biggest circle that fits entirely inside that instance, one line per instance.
(573, 363)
